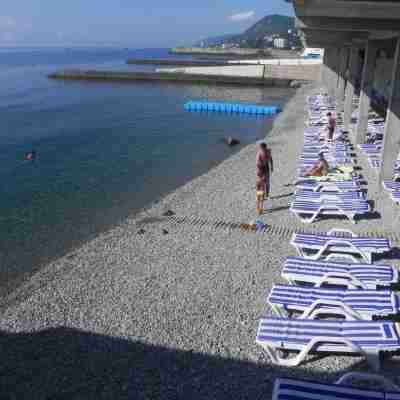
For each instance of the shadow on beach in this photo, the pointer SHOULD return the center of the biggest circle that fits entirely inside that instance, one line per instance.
(275, 209)
(65, 363)
(282, 196)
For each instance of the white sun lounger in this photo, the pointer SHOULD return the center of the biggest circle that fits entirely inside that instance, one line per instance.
(313, 246)
(307, 336)
(332, 161)
(333, 158)
(343, 389)
(308, 195)
(374, 163)
(298, 270)
(308, 211)
(391, 185)
(347, 303)
(395, 196)
(329, 186)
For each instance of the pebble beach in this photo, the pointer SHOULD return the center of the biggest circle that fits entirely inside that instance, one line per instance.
(166, 304)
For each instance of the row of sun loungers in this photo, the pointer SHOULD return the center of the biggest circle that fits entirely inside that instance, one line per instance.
(357, 296)
(335, 300)
(352, 294)
(337, 194)
(373, 150)
(320, 286)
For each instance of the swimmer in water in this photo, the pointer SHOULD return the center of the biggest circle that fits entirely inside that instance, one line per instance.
(30, 156)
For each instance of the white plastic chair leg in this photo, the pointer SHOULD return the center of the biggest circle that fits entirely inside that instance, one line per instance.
(373, 359)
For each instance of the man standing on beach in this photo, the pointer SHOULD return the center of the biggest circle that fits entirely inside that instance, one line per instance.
(265, 166)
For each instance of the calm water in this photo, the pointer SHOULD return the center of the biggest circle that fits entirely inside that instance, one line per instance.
(104, 149)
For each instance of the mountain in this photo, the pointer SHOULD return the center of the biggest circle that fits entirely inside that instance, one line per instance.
(260, 35)
(269, 25)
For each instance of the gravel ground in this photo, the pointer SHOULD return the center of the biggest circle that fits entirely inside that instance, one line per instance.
(171, 313)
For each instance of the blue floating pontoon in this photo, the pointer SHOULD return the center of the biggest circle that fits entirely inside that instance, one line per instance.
(231, 108)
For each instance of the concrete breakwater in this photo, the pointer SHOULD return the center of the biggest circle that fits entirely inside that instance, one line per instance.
(167, 77)
(186, 63)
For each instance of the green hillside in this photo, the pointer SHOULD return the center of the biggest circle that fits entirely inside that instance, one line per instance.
(271, 24)
(260, 35)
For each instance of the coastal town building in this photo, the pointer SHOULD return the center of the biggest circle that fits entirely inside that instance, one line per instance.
(280, 43)
(361, 39)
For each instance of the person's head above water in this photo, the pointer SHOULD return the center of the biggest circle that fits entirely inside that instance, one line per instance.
(329, 114)
(263, 146)
(30, 155)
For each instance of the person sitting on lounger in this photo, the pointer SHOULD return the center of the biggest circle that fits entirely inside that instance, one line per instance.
(320, 168)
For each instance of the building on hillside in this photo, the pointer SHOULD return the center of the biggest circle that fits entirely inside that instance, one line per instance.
(280, 43)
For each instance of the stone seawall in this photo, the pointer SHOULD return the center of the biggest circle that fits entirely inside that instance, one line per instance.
(110, 76)
(266, 71)
(297, 72)
(245, 71)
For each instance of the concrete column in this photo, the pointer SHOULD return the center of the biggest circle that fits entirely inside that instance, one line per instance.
(332, 77)
(367, 80)
(324, 69)
(391, 147)
(350, 86)
(343, 60)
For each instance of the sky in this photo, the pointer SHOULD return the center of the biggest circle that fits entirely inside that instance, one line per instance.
(127, 23)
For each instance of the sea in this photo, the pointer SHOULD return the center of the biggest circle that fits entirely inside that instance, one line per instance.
(104, 150)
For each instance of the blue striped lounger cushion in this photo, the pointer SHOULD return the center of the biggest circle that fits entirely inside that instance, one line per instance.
(337, 160)
(294, 334)
(318, 196)
(391, 185)
(306, 163)
(292, 389)
(308, 210)
(329, 186)
(312, 151)
(357, 206)
(309, 241)
(395, 195)
(366, 303)
(369, 276)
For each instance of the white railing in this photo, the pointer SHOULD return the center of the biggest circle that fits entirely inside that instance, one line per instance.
(289, 61)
